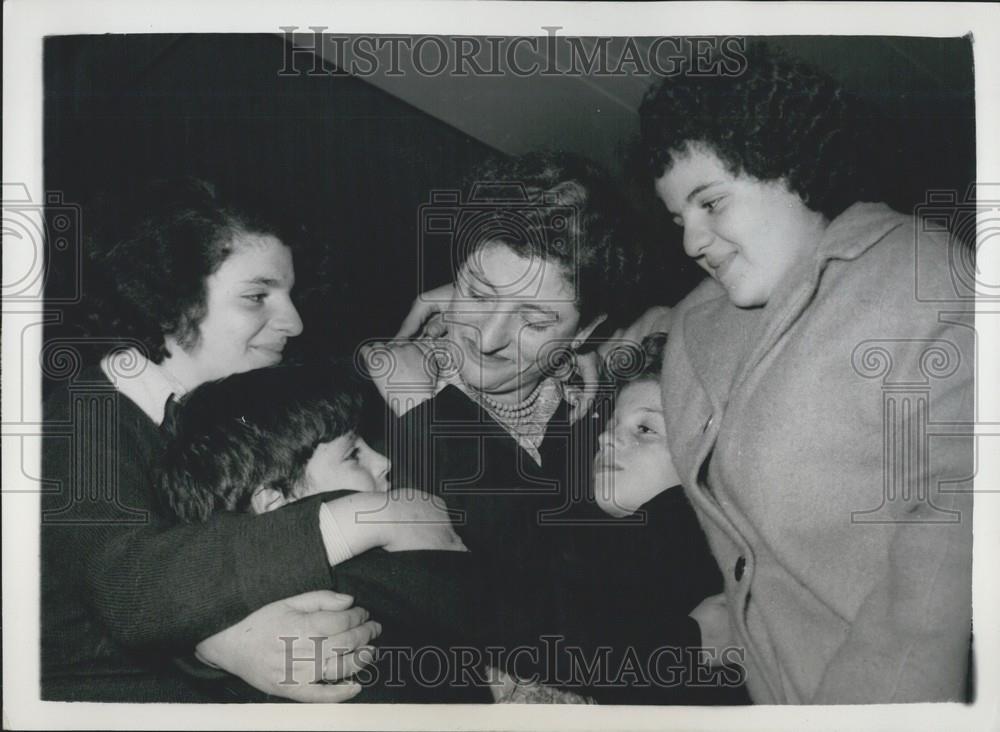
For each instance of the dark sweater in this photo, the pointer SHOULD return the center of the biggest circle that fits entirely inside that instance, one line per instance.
(558, 567)
(123, 588)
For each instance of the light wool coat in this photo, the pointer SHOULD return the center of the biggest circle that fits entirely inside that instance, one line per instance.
(824, 443)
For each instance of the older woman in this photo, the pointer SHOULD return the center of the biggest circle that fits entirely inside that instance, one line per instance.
(484, 415)
(194, 287)
(802, 385)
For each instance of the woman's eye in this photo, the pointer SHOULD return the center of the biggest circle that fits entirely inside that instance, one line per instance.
(257, 297)
(712, 205)
(643, 429)
(539, 321)
(538, 324)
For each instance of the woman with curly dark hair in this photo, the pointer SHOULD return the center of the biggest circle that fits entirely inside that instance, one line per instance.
(188, 286)
(842, 528)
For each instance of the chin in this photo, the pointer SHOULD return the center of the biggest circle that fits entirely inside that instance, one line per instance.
(264, 358)
(482, 379)
(613, 509)
(744, 299)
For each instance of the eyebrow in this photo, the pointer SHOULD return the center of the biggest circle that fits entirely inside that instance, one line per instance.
(698, 189)
(651, 410)
(269, 281)
(539, 309)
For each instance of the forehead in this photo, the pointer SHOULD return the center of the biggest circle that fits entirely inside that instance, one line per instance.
(641, 394)
(339, 444)
(257, 257)
(696, 166)
(518, 278)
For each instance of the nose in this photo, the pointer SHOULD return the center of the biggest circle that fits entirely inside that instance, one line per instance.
(494, 331)
(607, 438)
(377, 463)
(696, 239)
(286, 320)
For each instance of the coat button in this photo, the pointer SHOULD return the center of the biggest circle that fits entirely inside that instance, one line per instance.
(741, 564)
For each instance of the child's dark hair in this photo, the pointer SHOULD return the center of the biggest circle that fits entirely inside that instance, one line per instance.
(637, 362)
(253, 430)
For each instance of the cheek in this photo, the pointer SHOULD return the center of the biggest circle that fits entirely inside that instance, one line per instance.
(467, 320)
(235, 328)
(532, 346)
(548, 347)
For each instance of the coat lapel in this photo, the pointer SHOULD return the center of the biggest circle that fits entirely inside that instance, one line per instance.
(847, 238)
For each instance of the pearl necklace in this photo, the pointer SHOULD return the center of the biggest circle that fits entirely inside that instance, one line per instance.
(509, 412)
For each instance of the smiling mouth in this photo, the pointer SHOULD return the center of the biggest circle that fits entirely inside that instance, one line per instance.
(274, 351)
(720, 268)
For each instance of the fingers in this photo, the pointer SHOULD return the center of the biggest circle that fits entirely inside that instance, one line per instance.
(344, 665)
(311, 602)
(354, 638)
(588, 366)
(453, 543)
(420, 311)
(329, 623)
(435, 327)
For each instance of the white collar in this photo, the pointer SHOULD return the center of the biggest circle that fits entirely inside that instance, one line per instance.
(147, 384)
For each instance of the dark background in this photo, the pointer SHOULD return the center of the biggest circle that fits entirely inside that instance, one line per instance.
(355, 162)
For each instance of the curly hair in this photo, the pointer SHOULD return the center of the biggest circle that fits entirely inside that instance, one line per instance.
(636, 362)
(779, 119)
(561, 207)
(252, 430)
(151, 249)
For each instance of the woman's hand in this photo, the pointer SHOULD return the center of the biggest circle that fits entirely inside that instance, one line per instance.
(406, 372)
(712, 616)
(424, 318)
(588, 365)
(400, 520)
(288, 648)
(580, 398)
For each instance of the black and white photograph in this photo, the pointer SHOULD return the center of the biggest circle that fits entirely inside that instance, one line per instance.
(458, 362)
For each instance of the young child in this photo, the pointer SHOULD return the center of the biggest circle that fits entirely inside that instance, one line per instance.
(650, 580)
(633, 464)
(258, 440)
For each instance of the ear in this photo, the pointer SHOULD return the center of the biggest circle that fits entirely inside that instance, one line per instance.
(266, 499)
(584, 333)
